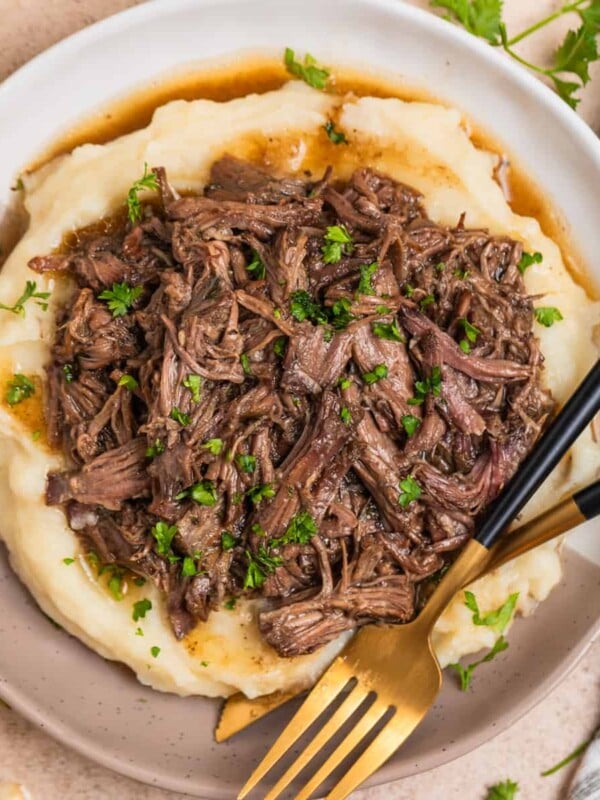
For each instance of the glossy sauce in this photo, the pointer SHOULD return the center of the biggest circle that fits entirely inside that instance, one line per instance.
(259, 75)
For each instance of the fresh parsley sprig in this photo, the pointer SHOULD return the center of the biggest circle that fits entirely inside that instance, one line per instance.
(309, 72)
(120, 298)
(29, 292)
(507, 790)
(569, 71)
(148, 181)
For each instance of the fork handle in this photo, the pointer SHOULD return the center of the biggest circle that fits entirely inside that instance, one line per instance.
(566, 427)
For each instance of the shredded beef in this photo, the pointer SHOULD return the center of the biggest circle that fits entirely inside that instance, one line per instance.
(266, 400)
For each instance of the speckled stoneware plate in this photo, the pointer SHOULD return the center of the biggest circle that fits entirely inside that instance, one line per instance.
(97, 707)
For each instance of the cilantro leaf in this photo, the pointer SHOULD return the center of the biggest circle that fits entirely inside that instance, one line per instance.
(309, 72)
(338, 242)
(147, 181)
(547, 315)
(480, 17)
(120, 298)
(140, 607)
(19, 389)
(29, 292)
(409, 490)
(503, 791)
(577, 51)
(337, 137)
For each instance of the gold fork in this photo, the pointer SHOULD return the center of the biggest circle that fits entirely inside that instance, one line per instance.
(391, 673)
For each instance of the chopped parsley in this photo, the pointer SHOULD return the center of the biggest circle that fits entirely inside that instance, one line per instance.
(230, 604)
(120, 298)
(129, 382)
(471, 334)
(256, 269)
(204, 493)
(188, 568)
(337, 137)
(263, 491)
(68, 373)
(341, 315)
(139, 581)
(303, 307)
(567, 760)
(29, 292)
(431, 385)
(365, 285)
(68, 561)
(147, 181)
(409, 490)
(246, 463)
(410, 424)
(260, 564)
(139, 632)
(245, 362)
(426, 301)
(345, 415)
(463, 274)
(547, 315)
(388, 330)
(19, 389)
(527, 259)
(344, 383)
(180, 417)
(409, 290)
(378, 372)
(115, 580)
(440, 266)
(163, 534)
(214, 446)
(227, 540)
(309, 72)
(140, 607)
(279, 346)
(155, 651)
(465, 674)
(338, 242)
(36, 435)
(506, 790)
(155, 449)
(301, 529)
(194, 384)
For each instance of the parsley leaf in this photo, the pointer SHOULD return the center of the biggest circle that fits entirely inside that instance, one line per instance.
(214, 446)
(204, 493)
(388, 330)
(466, 673)
(409, 490)
(68, 561)
(120, 298)
(337, 137)
(496, 620)
(147, 181)
(344, 383)
(227, 540)
(303, 307)
(263, 491)
(230, 604)
(245, 362)
(428, 300)
(194, 384)
(481, 17)
(155, 449)
(309, 72)
(260, 565)
(365, 285)
(471, 332)
(547, 315)
(410, 424)
(567, 760)
(527, 259)
(246, 463)
(155, 651)
(338, 242)
(345, 415)
(29, 292)
(128, 381)
(188, 568)
(503, 791)
(431, 385)
(140, 607)
(256, 268)
(68, 373)
(19, 389)
(163, 534)
(180, 417)
(378, 372)
(301, 529)
(279, 346)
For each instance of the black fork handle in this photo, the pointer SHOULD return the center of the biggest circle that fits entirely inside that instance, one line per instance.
(577, 413)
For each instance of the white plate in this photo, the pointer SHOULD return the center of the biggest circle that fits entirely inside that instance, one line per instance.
(99, 708)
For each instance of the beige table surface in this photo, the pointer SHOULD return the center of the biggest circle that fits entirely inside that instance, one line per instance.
(566, 718)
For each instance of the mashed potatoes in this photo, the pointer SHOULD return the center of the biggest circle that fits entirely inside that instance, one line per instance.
(421, 144)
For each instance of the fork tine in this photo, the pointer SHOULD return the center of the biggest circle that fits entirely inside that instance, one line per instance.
(343, 713)
(356, 735)
(322, 695)
(385, 744)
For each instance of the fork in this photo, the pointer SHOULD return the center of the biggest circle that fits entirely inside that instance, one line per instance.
(390, 672)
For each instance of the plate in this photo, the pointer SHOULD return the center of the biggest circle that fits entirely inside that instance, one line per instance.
(97, 707)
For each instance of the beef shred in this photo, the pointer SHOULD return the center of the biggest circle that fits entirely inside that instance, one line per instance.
(312, 398)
